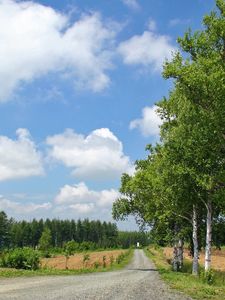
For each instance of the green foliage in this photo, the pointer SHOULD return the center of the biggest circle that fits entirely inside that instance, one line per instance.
(71, 247)
(111, 258)
(28, 234)
(86, 246)
(208, 276)
(53, 236)
(21, 258)
(45, 241)
(96, 264)
(104, 261)
(86, 258)
(120, 258)
(4, 230)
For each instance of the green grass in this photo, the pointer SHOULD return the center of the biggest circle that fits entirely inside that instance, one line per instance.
(8, 272)
(184, 281)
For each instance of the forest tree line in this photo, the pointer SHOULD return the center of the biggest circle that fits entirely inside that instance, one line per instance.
(94, 234)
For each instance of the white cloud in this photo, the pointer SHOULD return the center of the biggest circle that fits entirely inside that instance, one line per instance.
(19, 158)
(37, 39)
(151, 24)
(107, 197)
(149, 123)
(98, 156)
(75, 194)
(133, 4)
(15, 208)
(82, 208)
(72, 201)
(82, 200)
(149, 50)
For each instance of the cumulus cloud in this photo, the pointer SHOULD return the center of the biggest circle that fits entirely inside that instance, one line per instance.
(149, 123)
(97, 156)
(36, 40)
(14, 208)
(72, 201)
(133, 4)
(148, 50)
(19, 158)
(81, 199)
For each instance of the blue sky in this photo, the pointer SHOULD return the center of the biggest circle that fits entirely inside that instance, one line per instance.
(79, 80)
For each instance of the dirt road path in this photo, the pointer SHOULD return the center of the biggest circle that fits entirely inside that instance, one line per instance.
(138, 281)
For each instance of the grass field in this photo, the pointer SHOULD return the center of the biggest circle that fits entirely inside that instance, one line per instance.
(184, 281)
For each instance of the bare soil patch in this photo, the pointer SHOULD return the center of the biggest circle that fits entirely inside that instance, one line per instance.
(75, 262)
(218, 257)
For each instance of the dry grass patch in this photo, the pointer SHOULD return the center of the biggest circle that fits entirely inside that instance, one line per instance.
(77, 262)
(218, 257)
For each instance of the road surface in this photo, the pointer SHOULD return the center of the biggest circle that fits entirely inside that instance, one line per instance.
(138, 281)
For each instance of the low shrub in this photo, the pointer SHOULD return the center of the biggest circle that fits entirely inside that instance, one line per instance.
(71, 247)
(104, 261)
(21, 258)
(86, 258)
(111, 260)
(86, 246)
(208, 276)
(96, 264)
(120, 258)
(46, 254)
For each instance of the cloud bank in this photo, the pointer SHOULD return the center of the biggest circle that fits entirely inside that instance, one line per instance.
(36, 40)
(81, 200)
(73, 201)
(15, 208)
(98, 156)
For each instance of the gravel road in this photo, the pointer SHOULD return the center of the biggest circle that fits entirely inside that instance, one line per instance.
(139, 281)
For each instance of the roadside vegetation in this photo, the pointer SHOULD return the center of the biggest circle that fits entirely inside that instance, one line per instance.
(28, 262)
(209, 285)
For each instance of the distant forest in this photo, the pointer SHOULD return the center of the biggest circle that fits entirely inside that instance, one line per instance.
(91, 234)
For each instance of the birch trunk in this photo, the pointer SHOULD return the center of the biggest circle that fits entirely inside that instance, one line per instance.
(175, 257)
(195, 241)
(208, 248)
(180, 253)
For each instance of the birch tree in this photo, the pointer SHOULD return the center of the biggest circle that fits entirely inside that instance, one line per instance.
(199, 111)
(157, 194)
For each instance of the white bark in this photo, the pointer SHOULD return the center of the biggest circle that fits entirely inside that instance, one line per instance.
(208, 248)
(175, 257)
(180, 253)
(195, 241)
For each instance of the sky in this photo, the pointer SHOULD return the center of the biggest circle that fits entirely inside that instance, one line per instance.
(79, 80)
